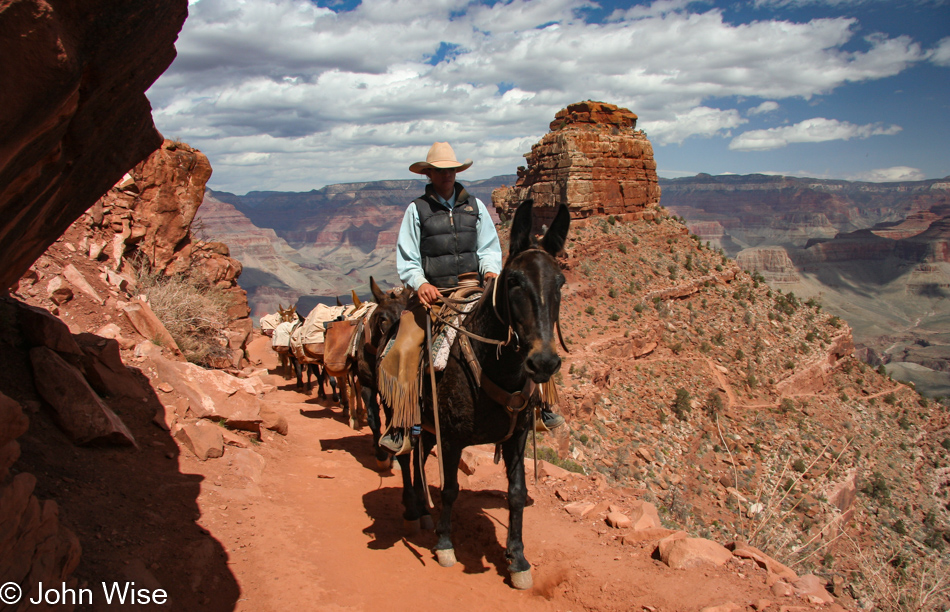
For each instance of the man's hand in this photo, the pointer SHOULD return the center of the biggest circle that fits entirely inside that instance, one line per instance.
(428, 293)
(489, 276)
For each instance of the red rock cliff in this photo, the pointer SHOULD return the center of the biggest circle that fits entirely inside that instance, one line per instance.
(73, 114)
(73, 118)
(593, 159)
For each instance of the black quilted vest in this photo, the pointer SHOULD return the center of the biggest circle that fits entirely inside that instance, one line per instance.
(448, 240)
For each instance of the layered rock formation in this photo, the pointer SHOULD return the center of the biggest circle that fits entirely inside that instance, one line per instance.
(762, 210)
(930, 246)
(594, 160)
(859, 245)
(73, 116)
(773, 263)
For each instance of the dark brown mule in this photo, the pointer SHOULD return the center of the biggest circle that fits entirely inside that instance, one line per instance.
(376, 332)
(522, 315)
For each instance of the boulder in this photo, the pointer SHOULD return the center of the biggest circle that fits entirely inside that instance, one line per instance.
(643, 515)
(810, 587)
(40, 328)
(202, 438)
(246, 464)
(80, 412)
(79, 281)
(648, 535)
(745, 551)
(579, 509)
(58, 291)
(550, 470)
(212, 394)
(618, 520)
(680, 552)
(260, 353)
(273, 421)
(146, 323)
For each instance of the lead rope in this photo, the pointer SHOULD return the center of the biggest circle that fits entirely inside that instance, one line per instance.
(534, 441)
(435, 408)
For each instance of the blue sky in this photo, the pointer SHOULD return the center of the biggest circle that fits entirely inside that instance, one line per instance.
(293, 95)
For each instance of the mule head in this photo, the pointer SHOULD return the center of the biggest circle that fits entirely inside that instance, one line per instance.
(389, 307)
(288, 315)
(529, 294)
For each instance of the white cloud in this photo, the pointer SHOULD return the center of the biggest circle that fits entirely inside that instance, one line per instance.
(818, 129)
(327, 95)
(768, 106)
(888, 175)
(700, 121)
(941, 53)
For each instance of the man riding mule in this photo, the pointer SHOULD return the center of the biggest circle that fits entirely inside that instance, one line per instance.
(502, 365)
(446, 238)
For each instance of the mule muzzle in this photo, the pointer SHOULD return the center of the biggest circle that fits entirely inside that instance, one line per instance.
(542, 365)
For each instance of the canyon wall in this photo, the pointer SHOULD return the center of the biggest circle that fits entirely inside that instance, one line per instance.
(73, 116)
(73, 119)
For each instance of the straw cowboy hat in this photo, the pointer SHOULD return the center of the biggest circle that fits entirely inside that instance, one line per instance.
(441, 156)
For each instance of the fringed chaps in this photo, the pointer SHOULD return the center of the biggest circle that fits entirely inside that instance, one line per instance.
(398, 376)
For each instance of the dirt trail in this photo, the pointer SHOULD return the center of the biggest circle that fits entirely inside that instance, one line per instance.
(322, 530)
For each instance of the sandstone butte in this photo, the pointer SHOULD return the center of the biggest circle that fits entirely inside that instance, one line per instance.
(594, 160)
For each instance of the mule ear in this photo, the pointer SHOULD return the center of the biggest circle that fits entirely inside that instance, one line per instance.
(556, 236)
(280, 307)
(378, 295)
(338, 302)
(520, 236)
(357, 302)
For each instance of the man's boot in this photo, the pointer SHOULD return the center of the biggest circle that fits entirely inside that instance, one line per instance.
(548, 421)
(396, 441)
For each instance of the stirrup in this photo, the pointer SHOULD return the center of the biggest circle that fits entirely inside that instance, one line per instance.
(393, 446)
(552, 422)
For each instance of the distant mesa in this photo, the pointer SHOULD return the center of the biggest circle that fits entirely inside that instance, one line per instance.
(594, 160)
(772, 262)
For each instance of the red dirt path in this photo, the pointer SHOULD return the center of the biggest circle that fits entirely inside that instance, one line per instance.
(322, 530)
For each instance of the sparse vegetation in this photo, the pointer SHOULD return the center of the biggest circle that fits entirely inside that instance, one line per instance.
(193, 312)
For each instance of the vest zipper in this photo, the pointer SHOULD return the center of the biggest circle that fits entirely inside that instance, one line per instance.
(455, 234)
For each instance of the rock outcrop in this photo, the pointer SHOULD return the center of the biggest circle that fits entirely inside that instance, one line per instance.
(594, 160)
(862, 244)
(146, 220)
(773, 263)
(74, 115)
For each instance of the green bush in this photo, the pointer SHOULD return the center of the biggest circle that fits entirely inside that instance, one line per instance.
(681, 406)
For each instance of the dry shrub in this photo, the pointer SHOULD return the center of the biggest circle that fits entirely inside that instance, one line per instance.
(193, 312)
(892, 573)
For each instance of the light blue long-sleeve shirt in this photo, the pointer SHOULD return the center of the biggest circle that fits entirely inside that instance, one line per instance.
(409, 257)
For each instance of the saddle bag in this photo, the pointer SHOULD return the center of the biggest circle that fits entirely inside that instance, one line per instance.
(338, 337)
(280, 341)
